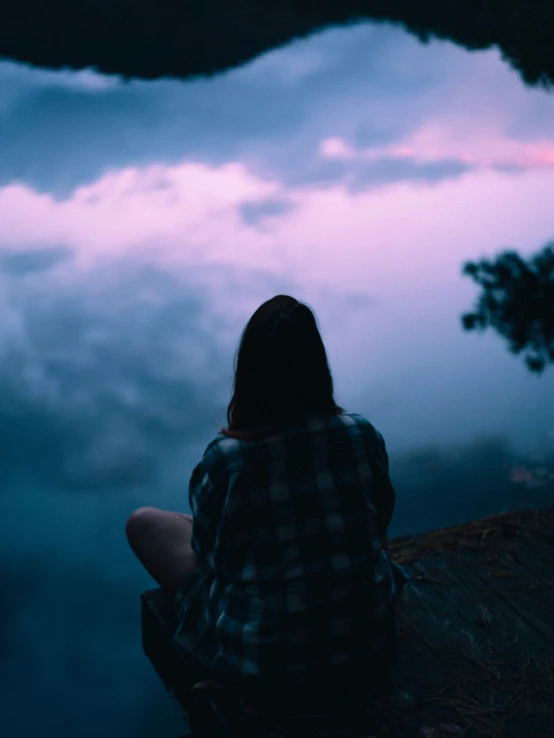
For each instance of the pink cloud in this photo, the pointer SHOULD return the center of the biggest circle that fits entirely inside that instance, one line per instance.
(181, 210)
(396, 240)
(402, 245)
(434, 142)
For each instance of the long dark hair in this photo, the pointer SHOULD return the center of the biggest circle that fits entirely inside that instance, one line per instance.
(282, 373)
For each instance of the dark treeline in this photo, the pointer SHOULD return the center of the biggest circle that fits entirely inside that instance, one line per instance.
(517, 300)
(182, 38)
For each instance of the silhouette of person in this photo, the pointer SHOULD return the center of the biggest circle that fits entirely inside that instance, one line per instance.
(282, 568)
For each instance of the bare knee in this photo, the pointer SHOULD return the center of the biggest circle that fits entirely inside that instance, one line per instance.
(139, 523)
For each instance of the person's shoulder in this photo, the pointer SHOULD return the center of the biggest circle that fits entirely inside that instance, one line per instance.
(362, 423)
(214, 443)
(349, 418)
(221, 450)
(216, 446)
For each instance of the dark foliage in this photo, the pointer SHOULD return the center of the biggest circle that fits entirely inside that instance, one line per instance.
(517, 300)
(182, 38)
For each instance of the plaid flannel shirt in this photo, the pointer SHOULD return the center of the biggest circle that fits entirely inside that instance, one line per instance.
(288, 533)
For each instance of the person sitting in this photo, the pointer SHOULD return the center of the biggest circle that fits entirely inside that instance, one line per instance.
(281, 572)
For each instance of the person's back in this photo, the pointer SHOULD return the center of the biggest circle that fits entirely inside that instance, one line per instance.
(287, 536)
(284, 570)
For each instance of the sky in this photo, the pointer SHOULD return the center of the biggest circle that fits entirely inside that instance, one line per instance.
(141, 223)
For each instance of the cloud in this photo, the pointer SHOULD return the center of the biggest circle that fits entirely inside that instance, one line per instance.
(138, 209)
(436, 148)
(390, 170)
(103, 379)
(255, 213)
(371, 85)
(197, 216)
(31, 261)
(117, 346)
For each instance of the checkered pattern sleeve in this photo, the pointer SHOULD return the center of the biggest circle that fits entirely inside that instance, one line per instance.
(206, 497)
(383, 496)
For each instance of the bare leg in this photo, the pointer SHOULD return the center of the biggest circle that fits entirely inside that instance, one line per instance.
(161, 542)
